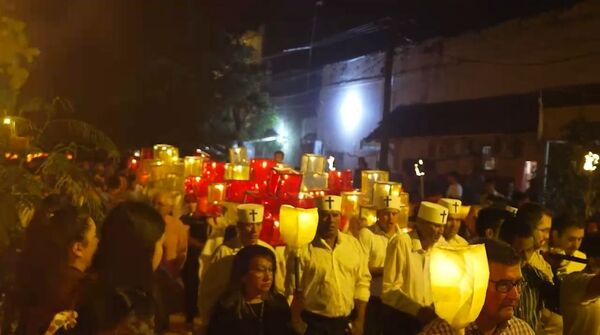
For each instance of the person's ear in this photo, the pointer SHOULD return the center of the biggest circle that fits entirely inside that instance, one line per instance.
(77, 249)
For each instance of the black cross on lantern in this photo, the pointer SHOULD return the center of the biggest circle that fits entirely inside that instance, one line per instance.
(455, 207)
(387, 201)
(443, 215)
(253, 214)
(329, 201)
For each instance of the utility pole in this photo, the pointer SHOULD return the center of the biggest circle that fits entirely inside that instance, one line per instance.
(388, 70)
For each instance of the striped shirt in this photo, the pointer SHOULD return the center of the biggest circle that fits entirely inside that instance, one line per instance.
(514, 326)
(531, 303)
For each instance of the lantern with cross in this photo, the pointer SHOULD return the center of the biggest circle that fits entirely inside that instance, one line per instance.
(459, 280)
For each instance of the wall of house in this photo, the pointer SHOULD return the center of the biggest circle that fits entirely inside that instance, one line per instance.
(554, 49)
(551, 50)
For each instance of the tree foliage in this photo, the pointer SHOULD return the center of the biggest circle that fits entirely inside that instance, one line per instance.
(570, 188)
(240, 108)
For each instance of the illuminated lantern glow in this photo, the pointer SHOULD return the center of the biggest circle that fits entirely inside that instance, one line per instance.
(213, 172)
(166, 153)
(368, 178)
(193, 166)
(419, 170)
(314, 181)
(351, 204)
(238, 155)
(339, 181)
(311, 163)
(288, 184)
(591, 161)
(236, 192)
(216, 192)
(459, 280)
(368, 215)
(387, 188)
(237, 171)
(298, 226)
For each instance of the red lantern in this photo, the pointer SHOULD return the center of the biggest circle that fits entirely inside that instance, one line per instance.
(236, 191)
(147, 153)
(289, 184)
(213, 172)
(260, 169)
(339, 181)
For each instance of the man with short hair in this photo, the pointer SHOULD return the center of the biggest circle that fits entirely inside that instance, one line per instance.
(455, 189)
(539, 291)
(502, 297)
(406, 293)
(176, 235)
(567, 235)
(489, 221)
(374, 240)
(278, 156)
(580, 294)
(456, 213)
(540, 221)
(334, 278)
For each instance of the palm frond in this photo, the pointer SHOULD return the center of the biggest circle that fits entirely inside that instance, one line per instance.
(62, 132)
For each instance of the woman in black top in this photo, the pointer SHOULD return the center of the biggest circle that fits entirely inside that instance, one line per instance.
(251, 306)
(120, 298)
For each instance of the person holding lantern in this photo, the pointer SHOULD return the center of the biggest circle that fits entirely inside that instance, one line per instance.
(407, 299)
(456, 213)
(333, 279)
(501, 297)
(374, 240)
(214, 282)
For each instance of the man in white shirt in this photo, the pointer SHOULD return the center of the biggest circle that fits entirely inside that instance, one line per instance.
(456, 213)
(334, 278)
(374, 240)
(214, 283)
(580, 295)
(406, 294)
(567, 235)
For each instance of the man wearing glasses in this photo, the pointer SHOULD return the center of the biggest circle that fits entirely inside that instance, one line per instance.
(501, 299)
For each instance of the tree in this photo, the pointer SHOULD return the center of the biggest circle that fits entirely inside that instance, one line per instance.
(240, 108)
(15, 56)
(570, 187)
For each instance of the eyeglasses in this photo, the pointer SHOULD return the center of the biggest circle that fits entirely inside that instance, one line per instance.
(504, 286)
(545, 230)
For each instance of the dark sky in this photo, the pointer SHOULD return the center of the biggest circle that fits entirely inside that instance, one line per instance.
(138, 69)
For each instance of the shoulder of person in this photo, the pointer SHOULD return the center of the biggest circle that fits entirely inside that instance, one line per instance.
(519, 326)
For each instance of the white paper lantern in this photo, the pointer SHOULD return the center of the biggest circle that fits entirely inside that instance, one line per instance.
(459, 280)
(298, 226)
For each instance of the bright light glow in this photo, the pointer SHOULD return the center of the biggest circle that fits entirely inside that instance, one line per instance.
(282, 132)
(137, 153)
(351, 111)
(7, 121)
(418, 168)
(330, 161)
(591, 162)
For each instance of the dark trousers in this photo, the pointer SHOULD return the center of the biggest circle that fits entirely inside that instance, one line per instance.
(398, 323)
(189, 274)
(322, 325)
(374, 317)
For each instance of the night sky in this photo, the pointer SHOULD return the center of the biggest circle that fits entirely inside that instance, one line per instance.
(138, 69)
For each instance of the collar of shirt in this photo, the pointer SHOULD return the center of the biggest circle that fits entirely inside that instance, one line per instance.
(474, 329)
(321, 243)
(416, 242)
(375, 229)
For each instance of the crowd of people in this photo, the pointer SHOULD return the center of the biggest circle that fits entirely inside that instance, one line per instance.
(146, 260)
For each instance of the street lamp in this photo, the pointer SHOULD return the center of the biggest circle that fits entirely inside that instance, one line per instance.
(420, 172)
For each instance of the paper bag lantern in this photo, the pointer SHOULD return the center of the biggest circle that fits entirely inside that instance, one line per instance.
(368, 214)
(237, 171)
(238, 155)
(312, 163)
(339, 181)
(216, 192)
(350, 204)
(236, 192)
(314, 181)
(368, 178)
(213, 172)
(459, 280)
(166, 153)
(383, 188)
(298, 226)
(289, 185)
(193, 165)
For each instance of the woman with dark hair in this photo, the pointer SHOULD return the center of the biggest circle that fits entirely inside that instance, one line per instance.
(60, 245)
(251, 306)
(120, 300)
